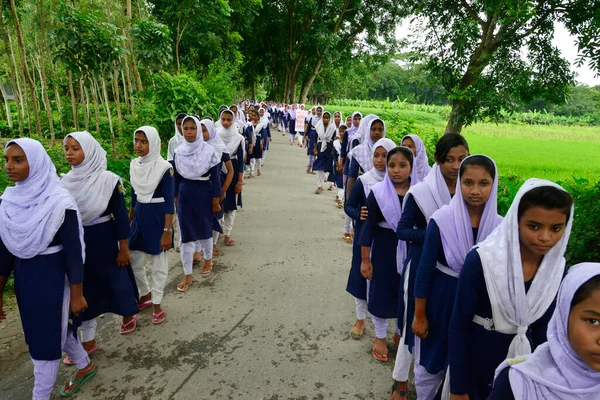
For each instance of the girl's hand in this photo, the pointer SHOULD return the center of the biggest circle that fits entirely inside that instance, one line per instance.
(420, 327)
(238, 188)
(123, 257)
(366, 270)
(270, 139)
(2, 313)
(262, 147)
(364, 213)
(216, 207)
(316, 153)
(166, 242)
(78, 304)
(459, 396)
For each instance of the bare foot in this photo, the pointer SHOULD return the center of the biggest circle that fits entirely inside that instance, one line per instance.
(358, 329)
(146, 298)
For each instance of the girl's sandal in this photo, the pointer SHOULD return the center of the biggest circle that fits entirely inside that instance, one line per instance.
(184, 286)
(71, 387)
(217, 252)
(348, 238)
(206, 269)
(228, 241)
(158, 318)
(125, 328)
(395, 389)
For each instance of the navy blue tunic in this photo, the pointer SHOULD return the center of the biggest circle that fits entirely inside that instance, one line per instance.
(354, 169)
(324, 160)
(475, 352)
(502, 389)
(40, 285)
(336, 176)
(312, 139)
(440, 290)
(148, 223)
(224, 158)
(383, 289)
(256, 151)
(247, 134)
(232, 200)
(107, 287)
(411, 229)
(357, 284)
(266, 136)
(194, 204)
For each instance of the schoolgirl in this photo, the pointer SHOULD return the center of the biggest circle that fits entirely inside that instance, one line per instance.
(353, 125)
(42, 241)
(255, 132)
(567, 366)
(209, 134)
(337, 170)
(422, 168)
(292, 124)
(356, 208)
(421, 201)
(382, 253)
(311, 137)
(266, 138)
(453, 230)
(506, 291)
(371, 130)
(109, 283)
(177, 139)
(151, 216)
(323, 149)
(235, 147)
(198, 190)
(285, 118)
(332, 176)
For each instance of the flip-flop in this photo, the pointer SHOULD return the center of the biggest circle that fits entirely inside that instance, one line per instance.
(124, 330)
(185, 287)
(229, 242)
(208, 270)
(158, 318)
(356, 334)
(144, 305)
(396, 389)
(379, 357)
(67, 360)
(79, 383)
(217, 252)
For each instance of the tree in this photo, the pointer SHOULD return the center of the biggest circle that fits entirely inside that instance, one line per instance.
(492, 55)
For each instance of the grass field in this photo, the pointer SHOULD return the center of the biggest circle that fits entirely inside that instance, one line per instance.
(553, 152)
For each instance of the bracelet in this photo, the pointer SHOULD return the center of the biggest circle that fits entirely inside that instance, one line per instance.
(168, 230)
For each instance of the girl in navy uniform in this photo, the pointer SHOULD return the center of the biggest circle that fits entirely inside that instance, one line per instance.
(266, 138)
(42, 241)
(361, 145)
(356, 208)
(507, 287)
(567, 367)
(109, 283)
(177, 139)
(256, 130)
(323, 149)
(337, 172)
(151, 216)
(421, 201)
(310, 138)
(198, 189)
(382, 253)
(233, 197)
(353, 125)
(453, 230)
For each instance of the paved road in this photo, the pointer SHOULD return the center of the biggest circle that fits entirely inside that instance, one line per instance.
(271, 322)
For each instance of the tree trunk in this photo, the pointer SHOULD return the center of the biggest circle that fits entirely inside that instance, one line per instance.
(73, 102)
(128, 9)
(7, 106)
(38, 127)
(308, 84)
(129, 87)
(94, 89)
(455, 122)
(117, 96)
(125, 96)
(12, 75)
(110, 125)
(180, 31)
(59, 106)
(41, 49)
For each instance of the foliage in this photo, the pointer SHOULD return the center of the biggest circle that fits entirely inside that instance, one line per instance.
(153, 44)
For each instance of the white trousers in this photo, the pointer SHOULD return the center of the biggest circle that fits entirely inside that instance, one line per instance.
(340, 193)
(254, 162)
(264, 155)
(347, 224)
(320, 178)
(215, 237)
(426, 384)
(87, 330)
(361, 308)
(292, 137)
(188, 249)
(311, 160)
(403, 357)
(227, 224)
(45, 372)
(381, 325)
(160, 273)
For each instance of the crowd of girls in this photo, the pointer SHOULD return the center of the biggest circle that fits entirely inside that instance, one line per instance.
(481, 307)
(77, 252)
(473, 297)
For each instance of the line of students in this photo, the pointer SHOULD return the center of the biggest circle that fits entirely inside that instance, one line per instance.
(77, 254)
(468, 289)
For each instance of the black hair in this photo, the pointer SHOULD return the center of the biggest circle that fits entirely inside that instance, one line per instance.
(405, 151)
(586, 290)
(479, 160)
(208, 118)
(342, 126)
(233, 106)
(253, 112)
(320, 108)
(447, 142)
(548, 197)
(226, 111)
(181, 115)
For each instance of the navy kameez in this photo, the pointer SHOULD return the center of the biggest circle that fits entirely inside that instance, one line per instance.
(357, 284)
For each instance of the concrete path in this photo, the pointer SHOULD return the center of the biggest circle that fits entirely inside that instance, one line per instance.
(271, 322)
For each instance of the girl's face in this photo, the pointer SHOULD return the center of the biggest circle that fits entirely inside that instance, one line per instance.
(178, 123)
(141, 145)
(379, 158)
(337, 118)
(348, 121)
(376, 131)
(341, 133)
(540, 229)
(234, 109)
(262, 113)
(408, 142)
(190, 131)
(319, 112)
(15, 163)
(398, 168)
(73, 152)
(226, 121)
(357, 119)
(451, 165)
(205, 134)
(326, 119)
(476, 185)
(584, 330)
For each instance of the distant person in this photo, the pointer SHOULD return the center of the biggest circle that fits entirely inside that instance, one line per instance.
(177, 138)
(266, 138)
(367, 135)
(382, 253)
(422, 168)
(356, 208)
(310, 138)
(507, 287)
(339, 177)
(323, 149)
(256, 130)
(292, 124)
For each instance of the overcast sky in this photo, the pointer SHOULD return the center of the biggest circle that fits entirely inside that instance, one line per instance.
(562, 40)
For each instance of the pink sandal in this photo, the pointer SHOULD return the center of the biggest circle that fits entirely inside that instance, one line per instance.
(124, 330)
(158, 318)
(144, 305)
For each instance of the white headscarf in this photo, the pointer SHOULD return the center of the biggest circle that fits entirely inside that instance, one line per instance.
(374, 176)
(146, 172)
(514, 310)
(90, 184)
(193, 160)
(420, 163)
(362, 153)
(431, 193)
(213, 139)
(32, 212)
(325, 134)
(230, 137)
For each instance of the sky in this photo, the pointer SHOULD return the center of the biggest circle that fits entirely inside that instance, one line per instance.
(562, 39)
